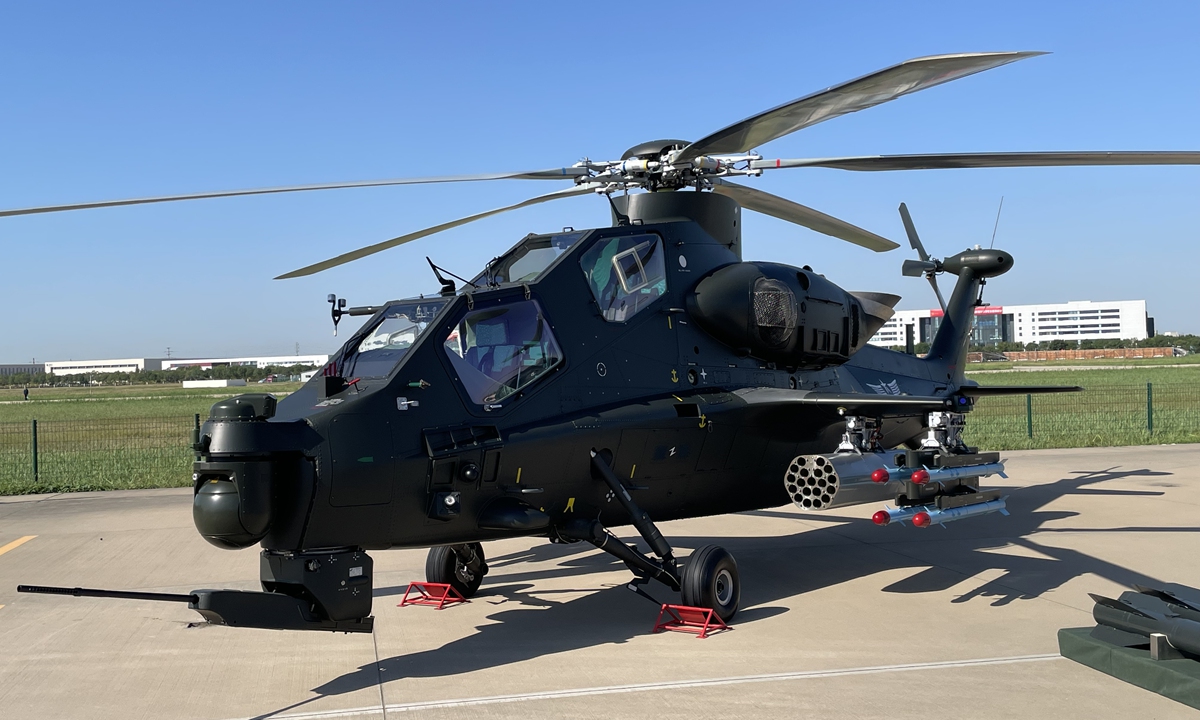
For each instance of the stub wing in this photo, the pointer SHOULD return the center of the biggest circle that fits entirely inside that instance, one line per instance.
(778, 397)
(998, 390)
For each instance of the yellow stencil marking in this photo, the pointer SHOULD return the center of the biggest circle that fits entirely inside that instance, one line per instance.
(632, 471)
(16, 543)
(669, 326)
(518, 476)
(703, 419)
(677, 398)
(674, 376)
(570, 508)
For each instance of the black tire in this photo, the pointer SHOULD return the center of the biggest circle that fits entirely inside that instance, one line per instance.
(710, 580)
(444, 566)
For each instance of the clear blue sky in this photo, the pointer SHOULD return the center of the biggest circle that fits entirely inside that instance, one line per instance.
(122, 99)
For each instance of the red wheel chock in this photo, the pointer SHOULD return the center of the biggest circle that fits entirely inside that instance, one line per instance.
(437, 595)
(685, 618)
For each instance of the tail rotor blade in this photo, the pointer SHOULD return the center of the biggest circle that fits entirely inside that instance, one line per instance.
(917, 268)
(933, 282)
(913, 238)
(924, 266)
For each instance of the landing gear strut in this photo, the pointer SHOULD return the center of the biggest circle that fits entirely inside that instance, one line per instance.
(708, 579)
(460, 566)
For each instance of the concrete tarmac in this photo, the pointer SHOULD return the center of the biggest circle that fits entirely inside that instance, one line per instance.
(840, 618)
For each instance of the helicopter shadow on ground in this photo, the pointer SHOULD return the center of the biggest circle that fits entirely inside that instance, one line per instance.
(536, 624)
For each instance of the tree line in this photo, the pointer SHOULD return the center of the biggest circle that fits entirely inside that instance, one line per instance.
(249, 373)
(1191, 343)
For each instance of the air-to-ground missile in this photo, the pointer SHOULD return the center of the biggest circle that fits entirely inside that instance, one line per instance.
(926, 515)
(1142, 614)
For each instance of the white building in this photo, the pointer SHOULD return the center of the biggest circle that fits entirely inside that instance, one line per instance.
(1076, 320)
(258, 362)
(79, 367)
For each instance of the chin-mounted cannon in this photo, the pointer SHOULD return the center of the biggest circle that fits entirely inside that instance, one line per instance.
(253, 482)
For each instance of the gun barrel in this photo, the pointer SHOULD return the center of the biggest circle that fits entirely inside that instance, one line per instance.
(120, 594)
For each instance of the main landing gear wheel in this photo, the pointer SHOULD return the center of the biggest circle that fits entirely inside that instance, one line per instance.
(460, 566)
(710, 580)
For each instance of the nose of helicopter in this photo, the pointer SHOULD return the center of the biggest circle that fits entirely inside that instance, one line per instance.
(241, 459)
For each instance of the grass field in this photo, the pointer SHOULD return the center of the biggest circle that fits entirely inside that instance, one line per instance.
(105, 438)
(97, 438)
(127, 401)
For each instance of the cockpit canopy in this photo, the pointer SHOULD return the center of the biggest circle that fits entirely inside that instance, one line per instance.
(378, 348)
(528, 260)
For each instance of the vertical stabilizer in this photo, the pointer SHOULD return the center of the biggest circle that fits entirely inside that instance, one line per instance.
(948, 352)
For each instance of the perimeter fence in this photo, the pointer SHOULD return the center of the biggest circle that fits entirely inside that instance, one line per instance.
(119, 453)
(104, 454)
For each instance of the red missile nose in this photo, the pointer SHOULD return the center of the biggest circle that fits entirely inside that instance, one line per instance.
(921, 519)
(880, 476)
(881, 518)
(920, 476)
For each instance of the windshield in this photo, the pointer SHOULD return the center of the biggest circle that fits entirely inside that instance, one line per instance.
(498, 351)
(376, 351)
(527, 260)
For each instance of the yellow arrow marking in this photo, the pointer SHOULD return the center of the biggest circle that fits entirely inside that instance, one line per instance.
(16, 543)
(570, 505)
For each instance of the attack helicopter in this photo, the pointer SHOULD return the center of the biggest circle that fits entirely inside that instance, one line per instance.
(624, 375)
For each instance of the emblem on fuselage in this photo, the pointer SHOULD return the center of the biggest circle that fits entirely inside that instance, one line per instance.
(885, 388)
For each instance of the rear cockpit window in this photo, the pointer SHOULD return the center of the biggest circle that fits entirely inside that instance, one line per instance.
(498, 351)
(527, 261)
(377, 351)
(626, 274)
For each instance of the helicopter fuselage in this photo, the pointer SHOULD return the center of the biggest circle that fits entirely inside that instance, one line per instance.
(436, 451)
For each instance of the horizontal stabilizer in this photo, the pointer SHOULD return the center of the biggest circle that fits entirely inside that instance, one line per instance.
(878, 307)
(994, 390)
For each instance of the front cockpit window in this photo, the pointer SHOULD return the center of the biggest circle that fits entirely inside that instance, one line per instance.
(625, 274)
(527, 261)
(375, 352)
(498, 351)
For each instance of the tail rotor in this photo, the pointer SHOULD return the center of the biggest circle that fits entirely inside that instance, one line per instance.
(927, 266)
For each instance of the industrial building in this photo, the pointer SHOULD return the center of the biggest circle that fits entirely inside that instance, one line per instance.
(80, 367)
(133, 365)
(1076, 320)
(259, 362)
(22, 369)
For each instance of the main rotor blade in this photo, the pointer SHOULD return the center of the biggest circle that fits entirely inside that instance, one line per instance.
(864, 92)
(552, 174)
(793, 212)
(386, 244)
(944, 161)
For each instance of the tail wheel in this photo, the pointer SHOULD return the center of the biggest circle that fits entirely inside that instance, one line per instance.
(710, 580)
(448, 566)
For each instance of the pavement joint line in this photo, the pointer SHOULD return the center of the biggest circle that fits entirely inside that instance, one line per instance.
(658, 686)
(16, 543)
